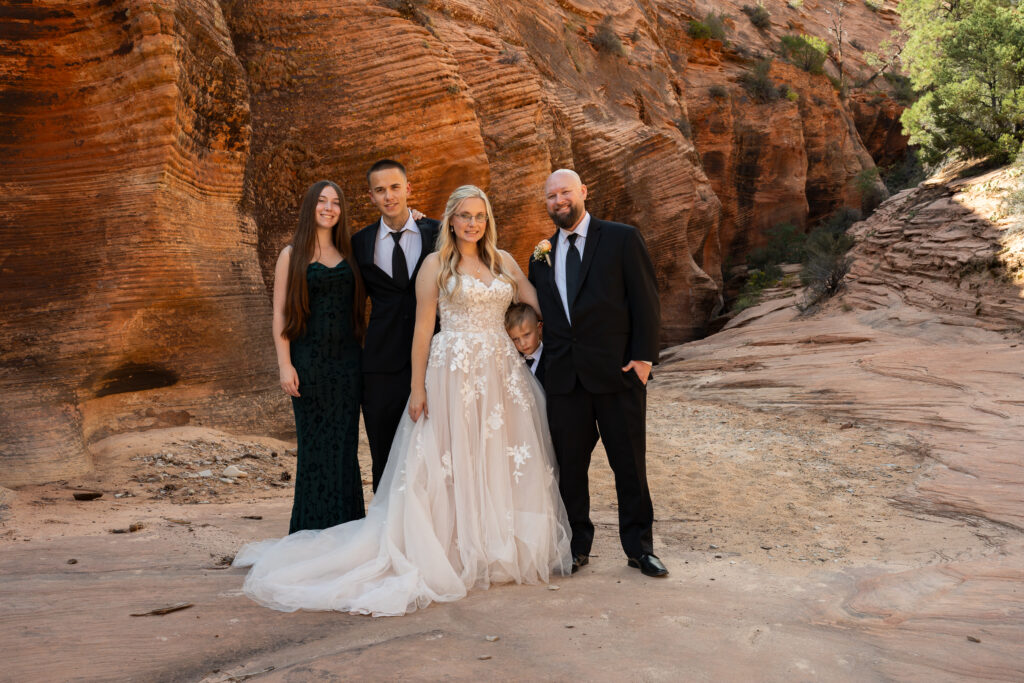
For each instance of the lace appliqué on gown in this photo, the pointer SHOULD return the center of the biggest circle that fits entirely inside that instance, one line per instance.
(469, 496)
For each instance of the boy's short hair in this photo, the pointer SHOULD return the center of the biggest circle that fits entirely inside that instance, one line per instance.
(384, 164)
(519, 313)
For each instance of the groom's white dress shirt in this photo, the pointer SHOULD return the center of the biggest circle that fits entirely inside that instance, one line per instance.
(563, 249)
(535, 358)
(384, 247)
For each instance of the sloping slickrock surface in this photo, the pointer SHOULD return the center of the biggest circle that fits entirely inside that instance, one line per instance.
(925, 339)
(788, 561)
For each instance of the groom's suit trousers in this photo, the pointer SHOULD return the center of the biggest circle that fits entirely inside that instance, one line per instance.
(577, 419)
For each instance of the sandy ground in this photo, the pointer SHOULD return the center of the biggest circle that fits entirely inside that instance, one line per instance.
(782, 533)
(779, 491)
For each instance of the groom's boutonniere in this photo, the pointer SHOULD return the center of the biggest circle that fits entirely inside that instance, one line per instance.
(541, 252)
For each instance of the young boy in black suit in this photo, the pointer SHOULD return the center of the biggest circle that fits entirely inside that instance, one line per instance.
(526, 330)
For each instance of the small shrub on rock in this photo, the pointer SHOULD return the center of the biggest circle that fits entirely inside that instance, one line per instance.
(758, 15)
(825, 265)
(806, 52)
(509, 56)
(713, 26)
(785, 244)
(759, 84)
(718, 92)
(408, 9)
(757, 281)
(840, 220)
(606, 40)
(871, 191)
(698, 30)
(716, 22)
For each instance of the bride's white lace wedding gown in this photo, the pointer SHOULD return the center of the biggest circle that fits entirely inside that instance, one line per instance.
(469, 496)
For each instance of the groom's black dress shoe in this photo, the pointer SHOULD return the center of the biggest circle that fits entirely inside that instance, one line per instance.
(649, 565)
(578, 561)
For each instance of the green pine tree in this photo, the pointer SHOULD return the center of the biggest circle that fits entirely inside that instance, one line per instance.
(966, 58)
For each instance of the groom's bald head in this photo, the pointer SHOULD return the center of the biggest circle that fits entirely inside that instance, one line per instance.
(564, 175)
(564, 194)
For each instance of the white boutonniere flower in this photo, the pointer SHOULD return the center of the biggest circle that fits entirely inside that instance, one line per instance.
(541, 252)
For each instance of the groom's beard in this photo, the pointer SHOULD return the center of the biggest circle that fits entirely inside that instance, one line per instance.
(568, 219)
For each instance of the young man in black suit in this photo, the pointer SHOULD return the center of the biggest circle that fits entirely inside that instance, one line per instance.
(389, 253)
(599, 300)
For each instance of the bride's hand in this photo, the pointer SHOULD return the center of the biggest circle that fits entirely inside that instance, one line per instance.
(418, 404)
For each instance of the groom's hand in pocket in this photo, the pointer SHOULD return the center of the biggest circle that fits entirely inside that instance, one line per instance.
(641, 368)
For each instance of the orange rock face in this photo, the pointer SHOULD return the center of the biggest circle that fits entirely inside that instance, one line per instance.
(131, 292)
(154, 155)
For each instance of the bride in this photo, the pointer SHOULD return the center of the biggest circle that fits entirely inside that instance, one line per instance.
(469, 496)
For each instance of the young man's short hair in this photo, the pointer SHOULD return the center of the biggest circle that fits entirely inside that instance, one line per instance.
(385, 164)
(519, 313)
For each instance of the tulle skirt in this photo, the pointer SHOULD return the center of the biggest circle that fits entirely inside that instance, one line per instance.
(469, 497)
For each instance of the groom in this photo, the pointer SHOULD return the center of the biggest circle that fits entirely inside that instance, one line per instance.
(389, 253)
(601, 314)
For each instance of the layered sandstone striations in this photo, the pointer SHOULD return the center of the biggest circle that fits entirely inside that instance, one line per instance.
(499, 94)
(131, 293)
(796, 154)
(948, 247)
(154, 155)
(496, 96)
(923, 341)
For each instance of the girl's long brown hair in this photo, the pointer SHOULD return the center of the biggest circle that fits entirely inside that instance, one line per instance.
(296, 304)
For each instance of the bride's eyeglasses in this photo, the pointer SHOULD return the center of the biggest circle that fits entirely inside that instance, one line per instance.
(468, 218)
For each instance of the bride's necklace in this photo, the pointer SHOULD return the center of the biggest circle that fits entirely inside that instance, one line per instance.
(477, 270)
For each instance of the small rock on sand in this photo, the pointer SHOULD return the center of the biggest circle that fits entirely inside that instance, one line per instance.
(233, 472)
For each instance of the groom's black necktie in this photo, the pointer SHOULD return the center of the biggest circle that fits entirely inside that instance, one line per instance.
(399, 268)
(572, 270)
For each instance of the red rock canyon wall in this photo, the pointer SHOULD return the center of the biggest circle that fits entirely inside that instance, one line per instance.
(153, 154)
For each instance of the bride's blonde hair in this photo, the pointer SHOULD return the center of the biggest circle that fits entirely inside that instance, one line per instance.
(487, 247)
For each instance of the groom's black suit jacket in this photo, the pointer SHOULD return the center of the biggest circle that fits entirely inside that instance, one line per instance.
(615, 312)
(393, 308)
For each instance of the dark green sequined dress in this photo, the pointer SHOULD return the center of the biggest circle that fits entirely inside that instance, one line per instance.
(328, 486)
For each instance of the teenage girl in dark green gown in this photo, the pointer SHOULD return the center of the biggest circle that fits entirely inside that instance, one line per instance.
(318, 326)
